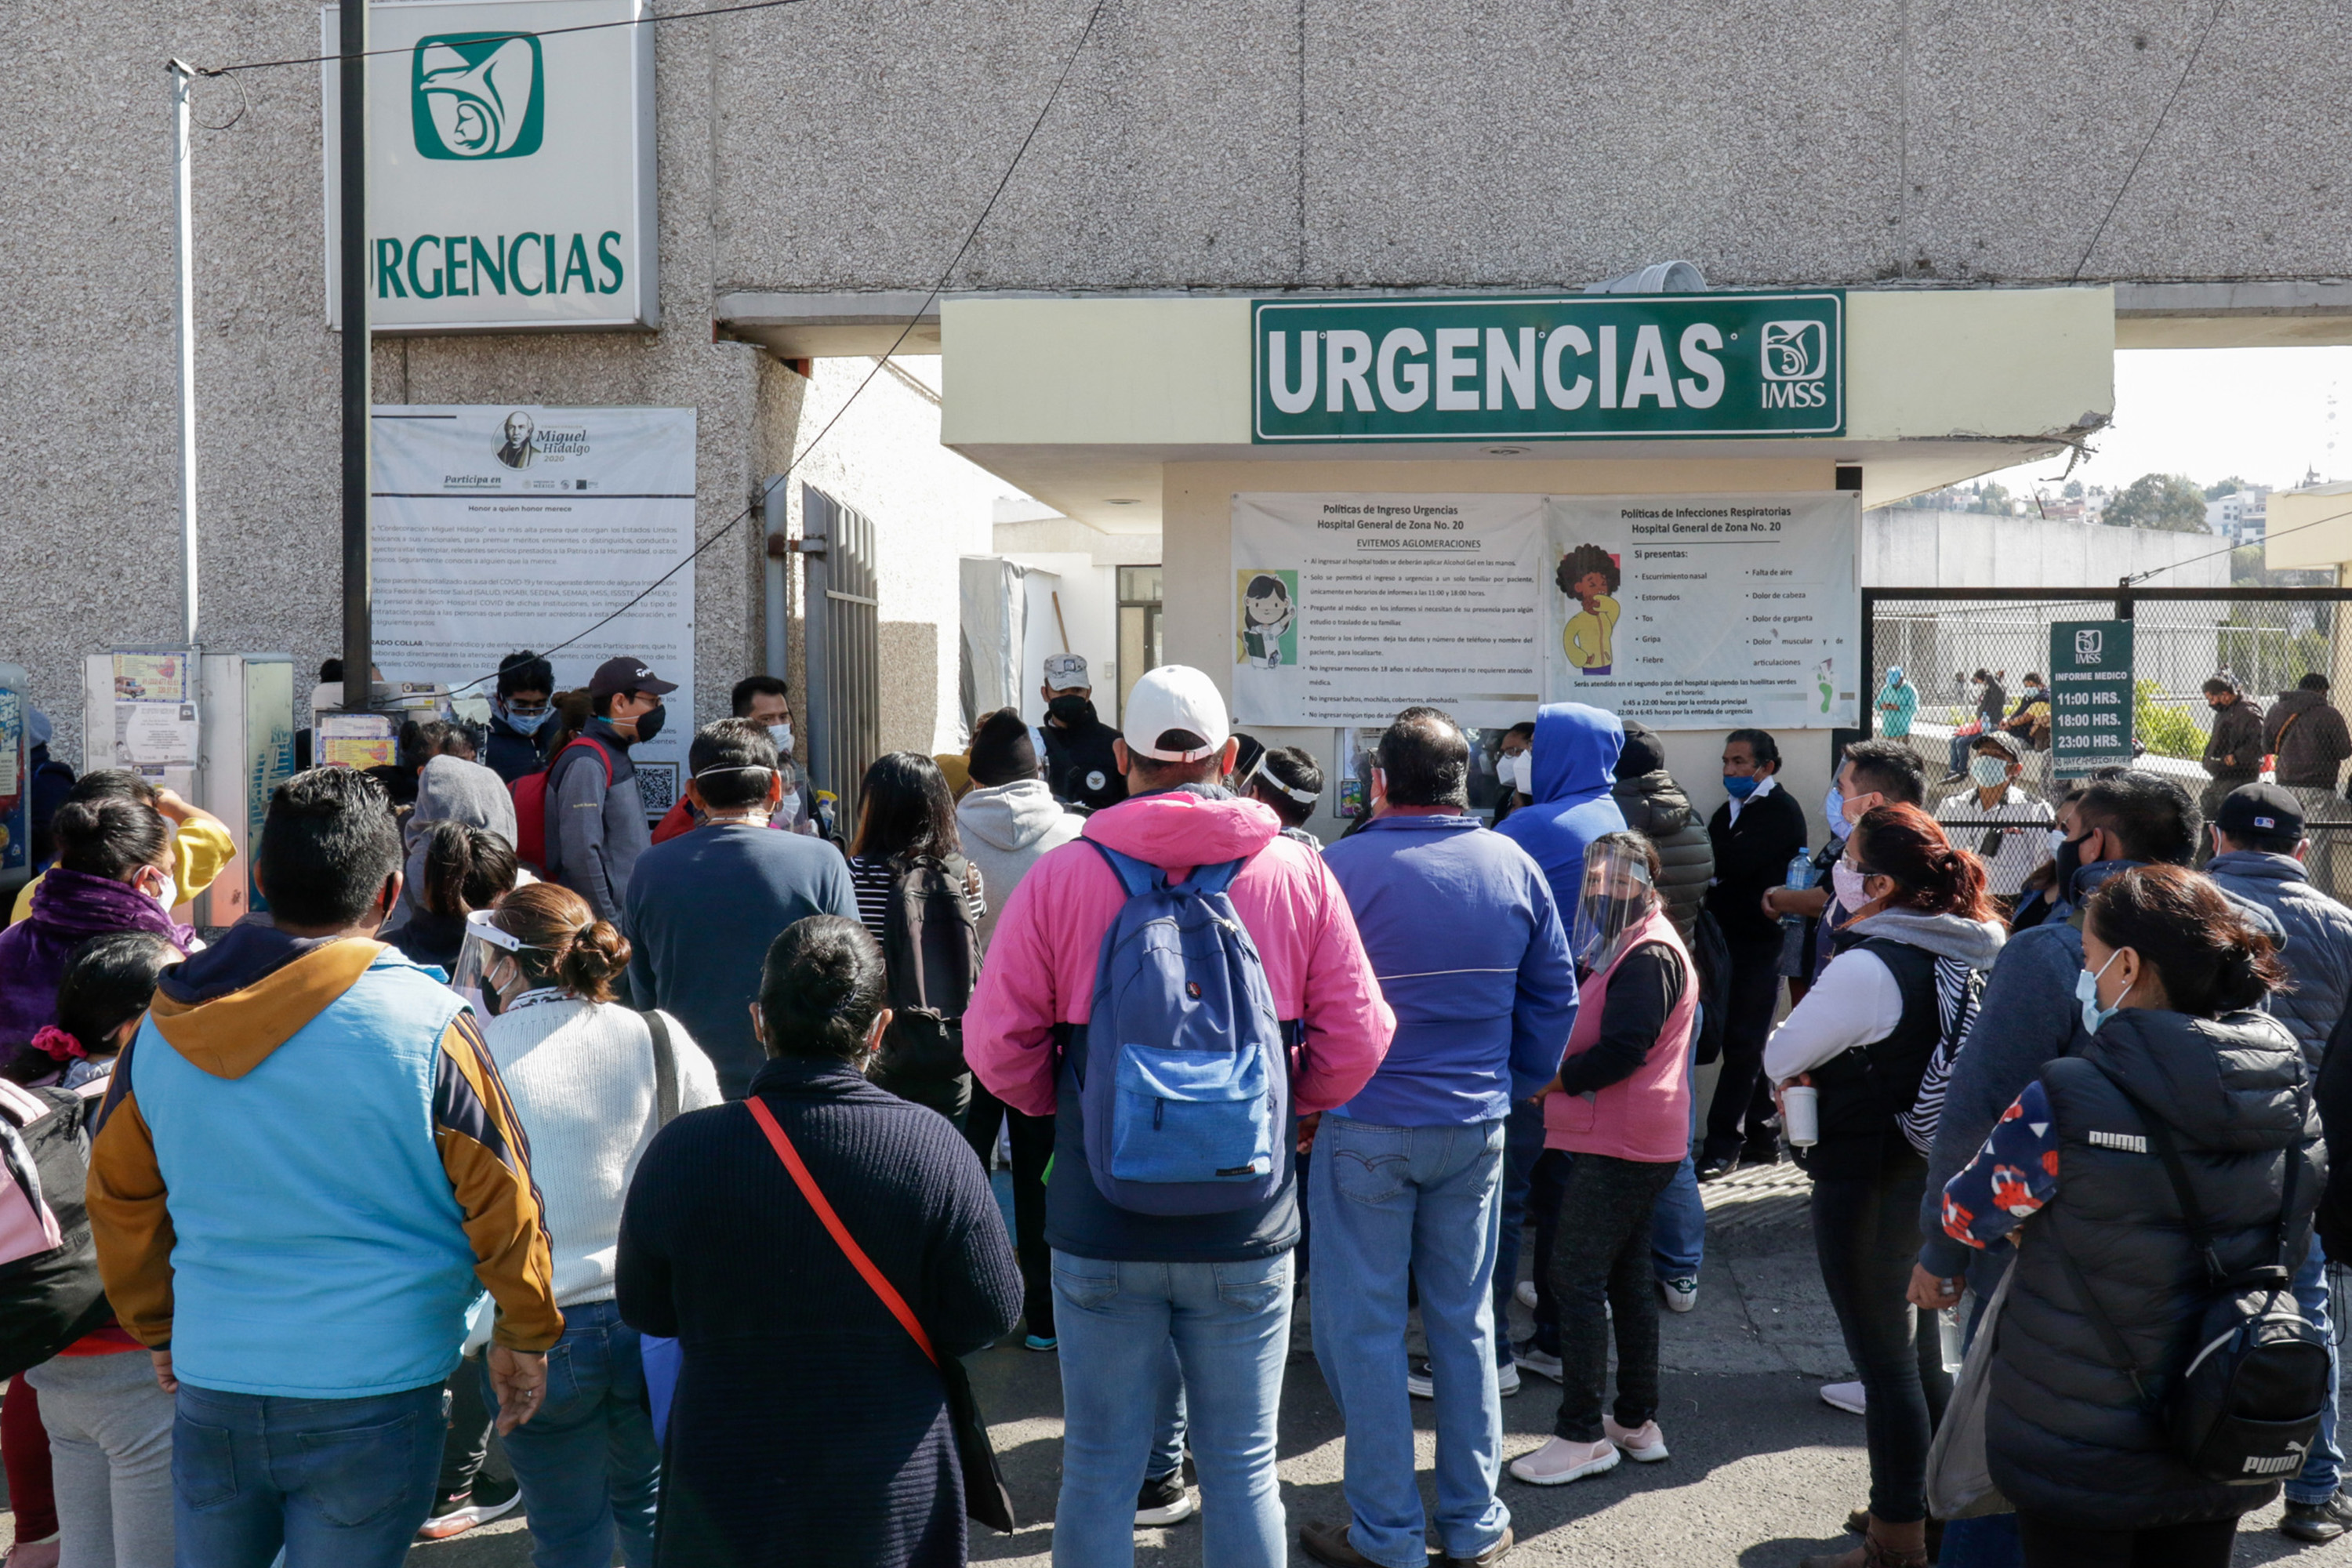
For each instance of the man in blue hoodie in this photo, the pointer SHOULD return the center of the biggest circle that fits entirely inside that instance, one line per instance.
(1571, 771)
(1461, 929)
(2258, 849)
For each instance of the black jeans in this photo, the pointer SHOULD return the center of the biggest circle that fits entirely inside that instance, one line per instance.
(1545, 1178)
(1866, 1232)
(2049, 1543)
(1033, 1151)
(1602, 1251)
(467, 1443)
(1741, 1093)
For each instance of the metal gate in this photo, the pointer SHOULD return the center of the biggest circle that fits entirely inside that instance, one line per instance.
(2267, 638)
(844, 690)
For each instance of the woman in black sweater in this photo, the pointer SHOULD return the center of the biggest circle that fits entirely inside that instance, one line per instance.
(809, 1427)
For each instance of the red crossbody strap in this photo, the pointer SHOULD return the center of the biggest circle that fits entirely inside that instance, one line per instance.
(848, 1244)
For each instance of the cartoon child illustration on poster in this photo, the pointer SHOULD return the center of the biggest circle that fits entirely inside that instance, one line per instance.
(1589, 574)
(1269, 620)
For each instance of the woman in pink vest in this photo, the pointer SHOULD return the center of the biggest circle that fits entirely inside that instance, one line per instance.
(1620, 1105)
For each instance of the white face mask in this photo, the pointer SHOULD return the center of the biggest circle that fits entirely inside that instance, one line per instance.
(1507, 771)
(782, 734)
(1846, 882)
(168, 895)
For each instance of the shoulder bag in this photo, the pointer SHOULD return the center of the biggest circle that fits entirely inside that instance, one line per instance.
(985, 1495)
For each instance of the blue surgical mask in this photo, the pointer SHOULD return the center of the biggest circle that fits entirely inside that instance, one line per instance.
(1741, 785)
(1833, 812)
(2086, 991)
(527, 724)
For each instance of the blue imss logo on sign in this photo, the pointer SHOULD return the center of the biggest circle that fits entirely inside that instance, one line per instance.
(476, 96)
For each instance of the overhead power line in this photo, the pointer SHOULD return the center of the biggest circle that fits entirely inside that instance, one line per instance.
(647, 20)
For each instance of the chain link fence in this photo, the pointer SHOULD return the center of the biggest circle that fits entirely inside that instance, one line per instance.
(2266, 639)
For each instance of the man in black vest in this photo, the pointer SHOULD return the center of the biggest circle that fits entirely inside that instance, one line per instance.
(1080, 769)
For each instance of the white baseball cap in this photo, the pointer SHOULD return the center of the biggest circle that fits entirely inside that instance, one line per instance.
(1175, 697)
(1067, 671)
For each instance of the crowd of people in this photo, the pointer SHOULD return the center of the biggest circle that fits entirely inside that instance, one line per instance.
(654, 1149)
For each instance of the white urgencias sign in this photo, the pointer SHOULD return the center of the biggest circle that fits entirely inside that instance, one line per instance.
(500, 529)
(511, 175)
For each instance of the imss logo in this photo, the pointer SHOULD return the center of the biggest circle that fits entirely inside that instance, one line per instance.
(476, 96)
(1793, 360)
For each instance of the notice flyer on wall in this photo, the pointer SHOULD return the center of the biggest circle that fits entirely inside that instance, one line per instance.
(500, 528)
(1348, 607)
(1685, 612)
(1705, 611)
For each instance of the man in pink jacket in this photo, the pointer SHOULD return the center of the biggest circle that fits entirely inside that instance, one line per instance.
(1127, 1285)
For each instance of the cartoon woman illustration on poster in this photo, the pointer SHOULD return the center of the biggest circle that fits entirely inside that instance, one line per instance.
(1269, 620)
(1589, 574)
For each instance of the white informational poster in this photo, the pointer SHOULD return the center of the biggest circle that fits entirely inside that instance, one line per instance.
(1349, 608)
(500, 529)
(1705, 611)
(1685, 612)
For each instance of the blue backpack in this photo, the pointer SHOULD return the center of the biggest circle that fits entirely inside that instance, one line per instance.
(1183, 1074)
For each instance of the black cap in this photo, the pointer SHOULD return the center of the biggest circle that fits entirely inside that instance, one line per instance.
(2260, 811)
(625, 673)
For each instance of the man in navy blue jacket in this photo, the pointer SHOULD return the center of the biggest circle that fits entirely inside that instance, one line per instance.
(1461, 927)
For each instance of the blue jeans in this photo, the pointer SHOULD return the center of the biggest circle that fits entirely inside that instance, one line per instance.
(1167, 1455)
(1678, 1223)
(338, 1483)
(1523, 1145)
(589, 1463)
(2323, 1468)
(1230, 1326)
(1420, 1201)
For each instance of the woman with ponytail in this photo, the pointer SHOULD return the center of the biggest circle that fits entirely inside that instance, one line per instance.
(2174, 978)
(459, 870)
(585, 1076)
(1902, 981)
(812, 1424)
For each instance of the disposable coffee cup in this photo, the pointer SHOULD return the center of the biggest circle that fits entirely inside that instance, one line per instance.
(1800, 1115)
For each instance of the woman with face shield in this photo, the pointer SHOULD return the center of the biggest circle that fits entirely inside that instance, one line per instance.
(591, 1082)
(1873, 1040)
(1621, 1108)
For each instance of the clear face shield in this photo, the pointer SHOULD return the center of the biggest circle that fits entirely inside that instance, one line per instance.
(1617, 897)
(486, 968)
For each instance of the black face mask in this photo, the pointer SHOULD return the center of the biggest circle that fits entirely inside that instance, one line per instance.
(2069, 860)
(1071, 712)
(649, 724)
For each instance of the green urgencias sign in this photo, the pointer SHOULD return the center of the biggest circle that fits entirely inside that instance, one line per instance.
(1550, 367)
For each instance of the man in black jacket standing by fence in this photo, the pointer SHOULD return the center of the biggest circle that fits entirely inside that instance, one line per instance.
(1755, 834)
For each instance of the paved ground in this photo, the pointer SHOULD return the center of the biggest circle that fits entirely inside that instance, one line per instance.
(1763, 1472)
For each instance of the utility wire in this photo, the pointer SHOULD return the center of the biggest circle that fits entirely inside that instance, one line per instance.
(2154, 132)
(2282, 533)
(971, 236)
(503, 37)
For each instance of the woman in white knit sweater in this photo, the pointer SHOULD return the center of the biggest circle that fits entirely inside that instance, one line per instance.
(584, 1075)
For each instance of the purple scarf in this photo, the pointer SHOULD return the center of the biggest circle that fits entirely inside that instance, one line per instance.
(69, 909)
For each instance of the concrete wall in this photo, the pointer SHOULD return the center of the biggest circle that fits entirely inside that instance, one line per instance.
(1902, 547)
(1404, 143)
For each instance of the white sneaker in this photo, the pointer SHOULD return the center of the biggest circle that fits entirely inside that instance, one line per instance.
(1537, 1362)
(1559, 1461)
(1524, 1292)
(1845, 1397)
(1421, 1385)
(1681, 1294)
(1644, 1443)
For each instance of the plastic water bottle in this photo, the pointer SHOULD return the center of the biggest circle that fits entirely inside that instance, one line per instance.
(1802, 875)
(1948, 1335)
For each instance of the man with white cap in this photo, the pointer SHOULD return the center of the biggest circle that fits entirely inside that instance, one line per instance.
(1080, 767)
(1127, 1283)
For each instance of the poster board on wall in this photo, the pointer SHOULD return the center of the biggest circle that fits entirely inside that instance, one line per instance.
(500, 528)
(1688, 612)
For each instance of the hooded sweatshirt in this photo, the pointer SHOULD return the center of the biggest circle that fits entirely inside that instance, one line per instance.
(1898, 704)
(1004, 828)
(1485, 997)
(2307, 734)
(1575, 767)
(306, 1169)
(451, 789)
(1857, 1001)
(1041, 973)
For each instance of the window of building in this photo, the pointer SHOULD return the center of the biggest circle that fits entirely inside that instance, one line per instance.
(1138, 627)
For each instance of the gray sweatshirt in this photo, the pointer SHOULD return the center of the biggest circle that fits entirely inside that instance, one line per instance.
(1004, 829)
(595, 831)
